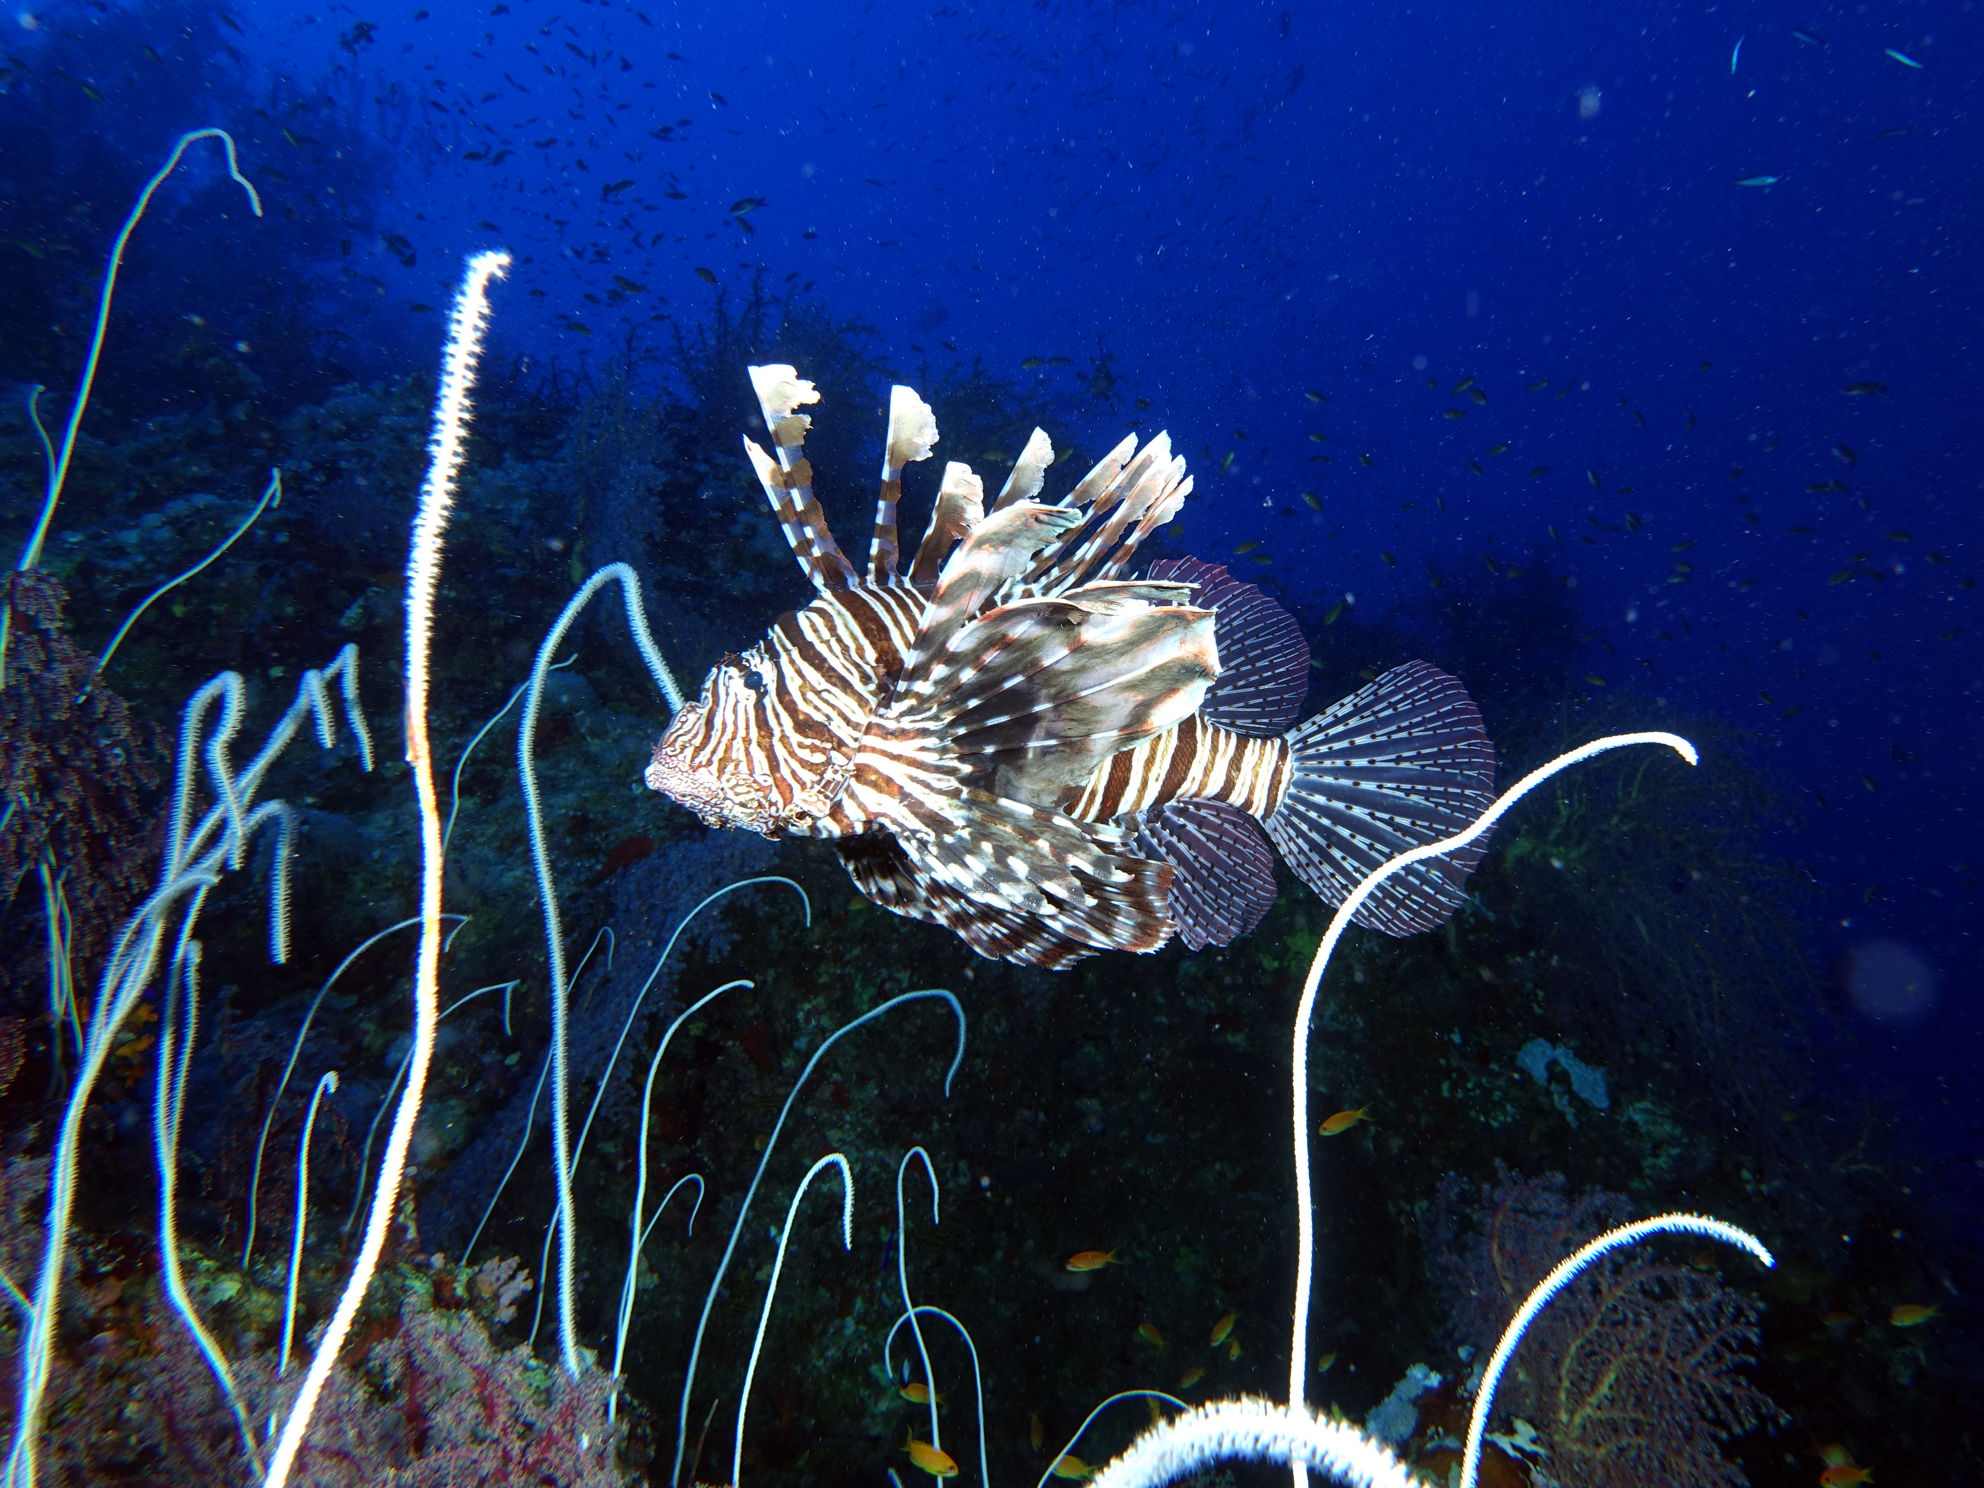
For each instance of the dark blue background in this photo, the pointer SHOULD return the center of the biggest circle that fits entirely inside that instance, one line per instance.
(1237, 203)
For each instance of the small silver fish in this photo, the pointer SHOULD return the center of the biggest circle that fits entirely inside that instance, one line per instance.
(1758, 180)
(1903, 58)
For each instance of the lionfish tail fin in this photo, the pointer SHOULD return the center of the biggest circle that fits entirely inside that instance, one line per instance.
(912, 435)
(789, 483)
(1397, 764)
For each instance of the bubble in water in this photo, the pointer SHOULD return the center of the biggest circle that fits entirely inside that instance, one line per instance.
(1419, 364)
(1588, 102)
(1888, 980)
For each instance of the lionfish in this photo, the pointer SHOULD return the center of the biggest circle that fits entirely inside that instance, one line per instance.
(1015, 741)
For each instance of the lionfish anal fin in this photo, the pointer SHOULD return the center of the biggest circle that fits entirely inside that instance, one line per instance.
(789, 483)
(1222, 881)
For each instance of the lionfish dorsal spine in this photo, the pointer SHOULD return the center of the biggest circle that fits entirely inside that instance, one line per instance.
(960, 508)
(788, 483)
(997, 551)
(912, 433)
(1136, 499)
(1029, 471)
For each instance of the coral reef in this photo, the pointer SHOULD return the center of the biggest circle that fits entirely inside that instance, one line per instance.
(1637, 1372)
(79, 773)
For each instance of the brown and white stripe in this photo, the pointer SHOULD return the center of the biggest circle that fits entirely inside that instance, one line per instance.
(1194, 760)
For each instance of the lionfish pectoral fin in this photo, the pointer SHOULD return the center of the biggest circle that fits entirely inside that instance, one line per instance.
(1223, 873)
(1263, 656)
(1023, 883)
(1399, 763)
(1037, 694)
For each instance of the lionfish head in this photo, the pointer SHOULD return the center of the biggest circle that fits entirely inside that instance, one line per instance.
(716, 757)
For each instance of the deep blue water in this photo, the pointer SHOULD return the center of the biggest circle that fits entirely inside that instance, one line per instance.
(1237, 204)
(1730, 453)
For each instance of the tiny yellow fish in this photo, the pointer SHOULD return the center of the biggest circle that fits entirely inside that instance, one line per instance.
(918, 1393)
(1036, 1433)
(1913, 1315)
(1315, 397)
(933, 1460)
(1227, 464)
(1845, 1475)
(1092, 1260)
(1031, 362)
(1149, 1334)
(1246, 547)
(1222, 1329)
(1232, 1349)
(1067, 1465)
(1496, 449)
(1343, 1121)
(1539, 385)
(1315, 501)
(1323, 1364)
(708, 276)
(1191, 1377)
(1837, 1319)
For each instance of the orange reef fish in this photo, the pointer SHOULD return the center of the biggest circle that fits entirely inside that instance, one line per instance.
(1068, 1465)
(1036, 1433)
(1017, 740)
(1845, 1475)
(1913, 1315)
(933, 1460)
(918, 1393)
(1343, 1121)
(1092, 1260)
(1191, 1377)
(1223, 1327)
(1149, 1334)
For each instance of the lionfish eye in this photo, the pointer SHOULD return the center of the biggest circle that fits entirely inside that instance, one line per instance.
(755, 682)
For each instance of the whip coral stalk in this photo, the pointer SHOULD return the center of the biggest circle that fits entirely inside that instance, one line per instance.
(423, 572)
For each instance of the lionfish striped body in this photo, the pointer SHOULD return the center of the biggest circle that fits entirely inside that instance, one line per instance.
(1015, 742)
